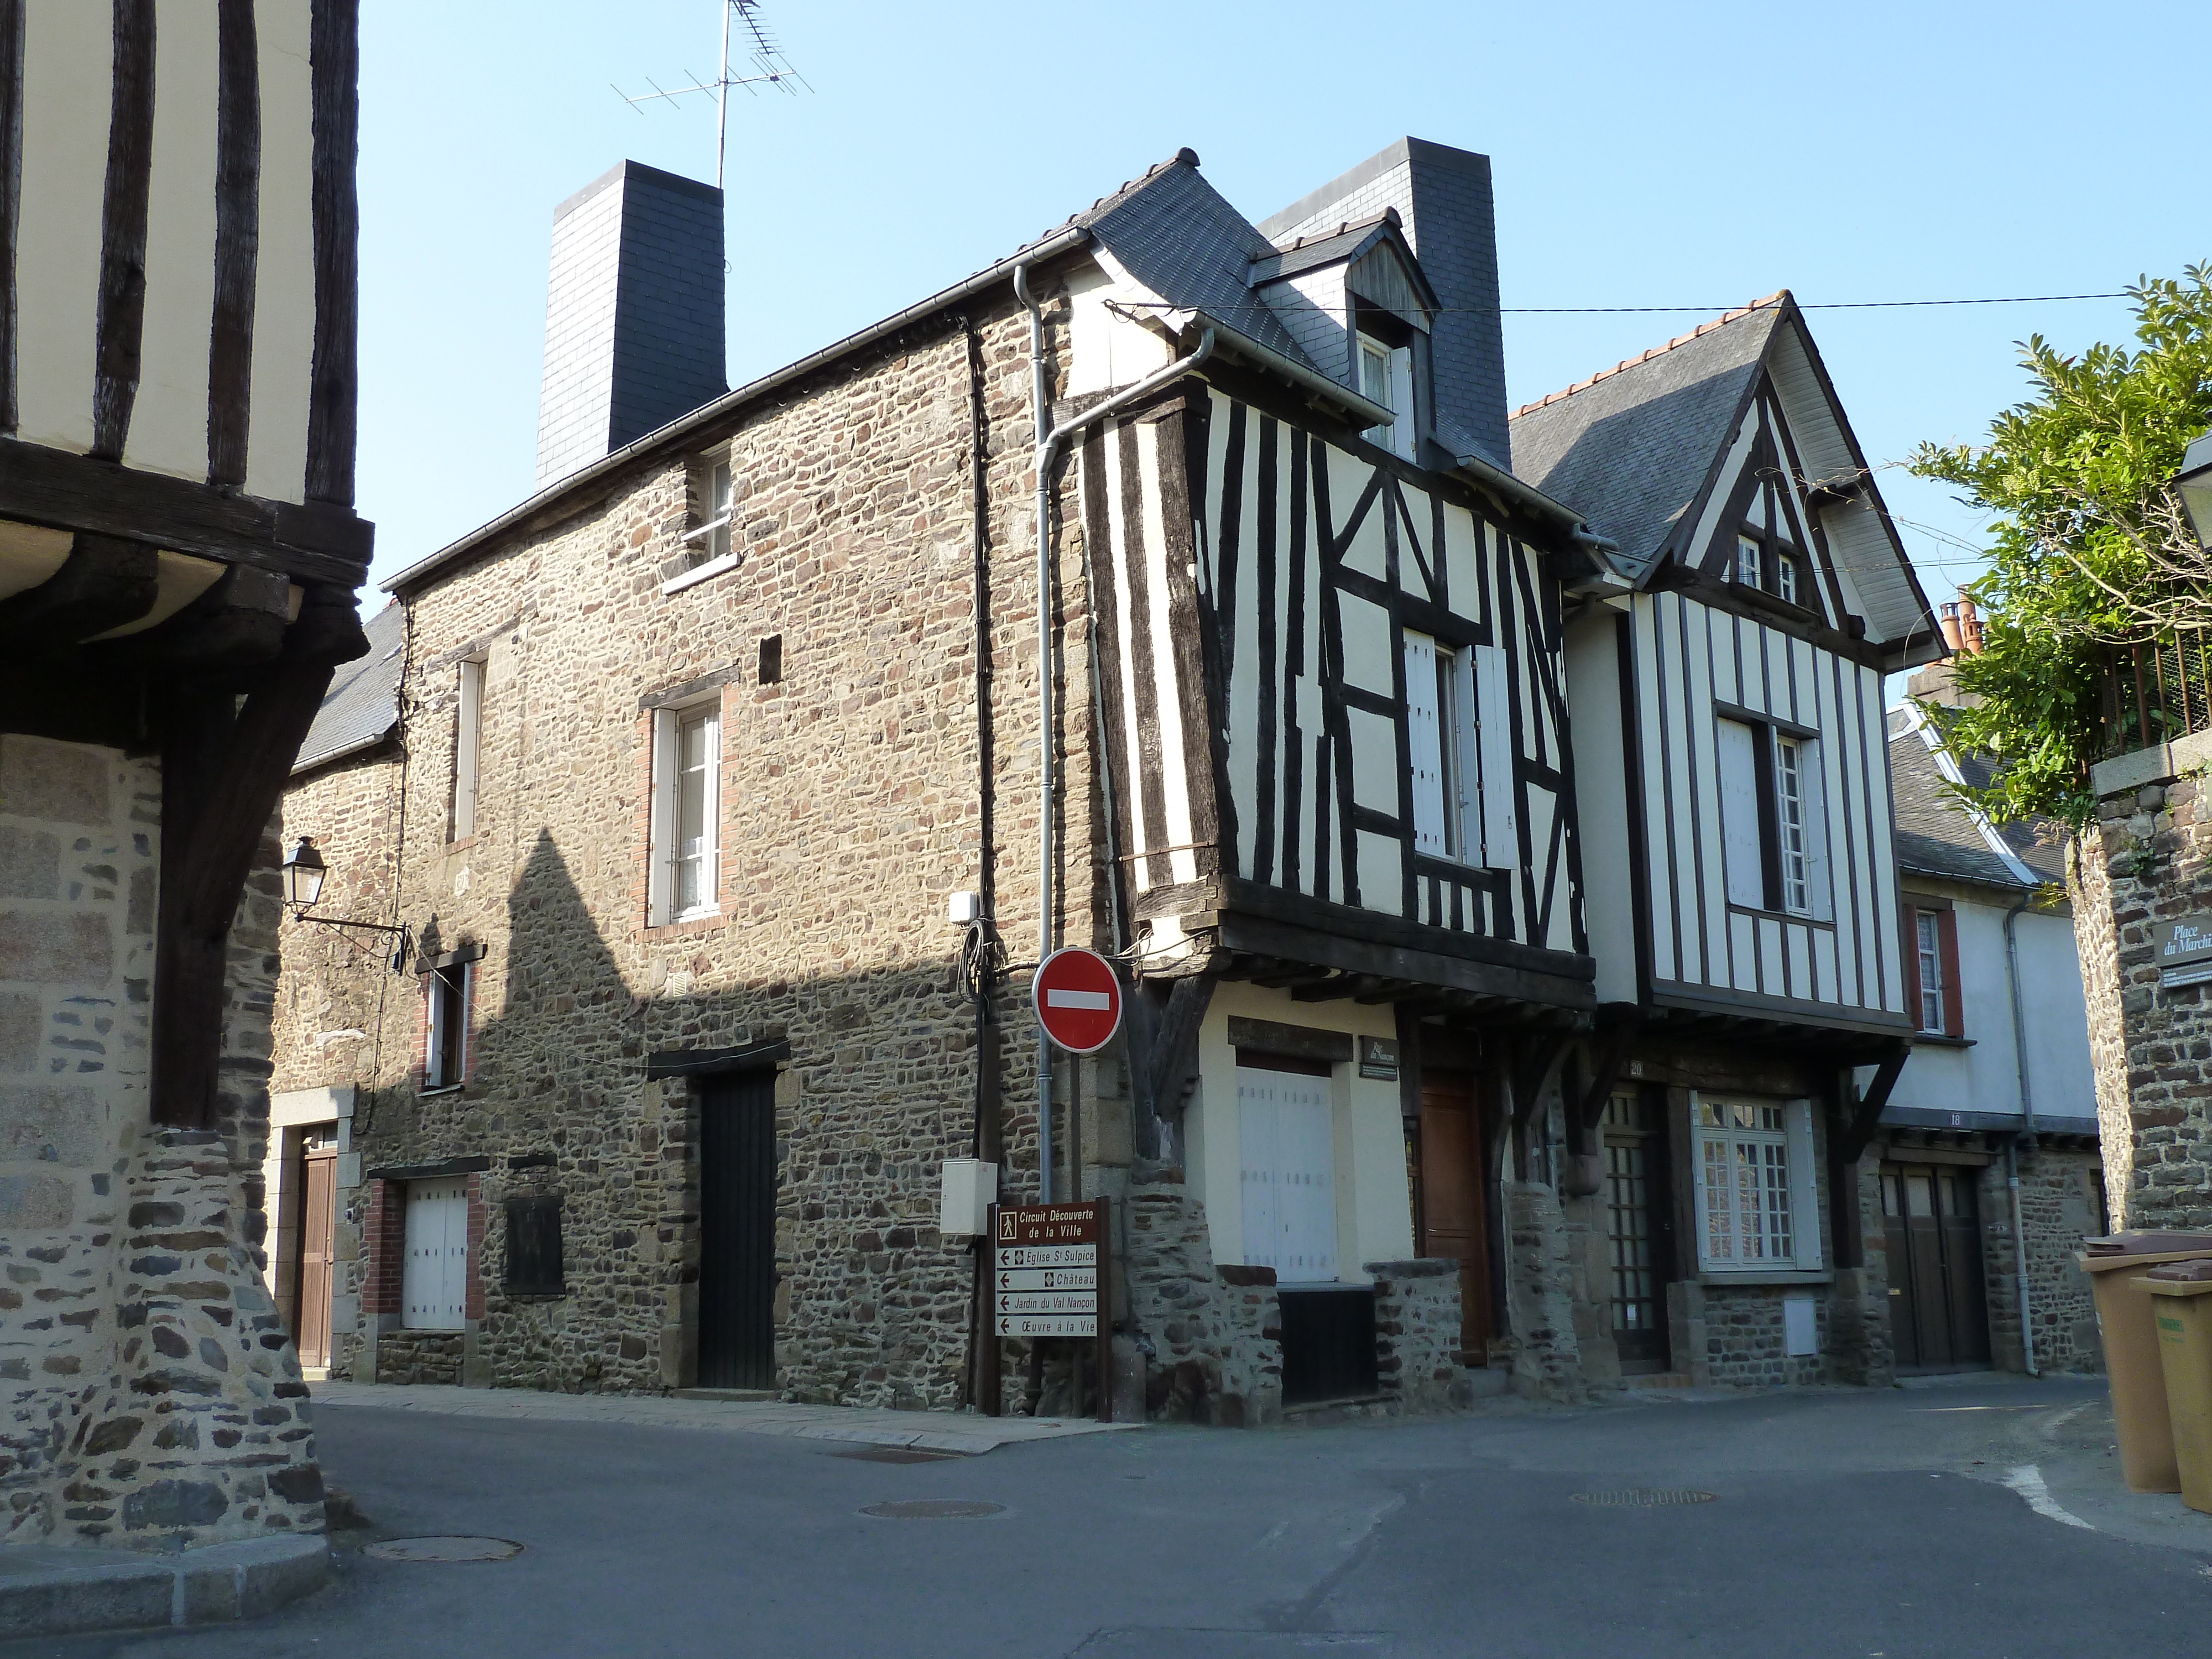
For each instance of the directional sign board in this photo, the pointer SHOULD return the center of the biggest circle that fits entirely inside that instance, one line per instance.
(1078, 999)
(1046, 1269)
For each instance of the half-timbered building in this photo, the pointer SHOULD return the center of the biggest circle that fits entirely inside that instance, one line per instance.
(178, 556)
(1727, 691)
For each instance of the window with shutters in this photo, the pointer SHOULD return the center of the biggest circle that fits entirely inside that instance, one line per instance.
(1756, 1209)
(1287, 1143)
(534, 1246)
(1385, 377)
(1459, 735)
(468, 748)
(433, 1283)
(1932, 967)
(1773, 828)
(687, 756)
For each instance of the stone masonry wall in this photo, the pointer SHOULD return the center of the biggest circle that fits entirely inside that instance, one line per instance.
(1416, 1335)
(849, 807)
(1215, 1331)
(149, 1393)
(2152, 1048)
(2058, 1210)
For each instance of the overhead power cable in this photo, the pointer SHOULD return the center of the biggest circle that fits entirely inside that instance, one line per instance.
(1615, 310)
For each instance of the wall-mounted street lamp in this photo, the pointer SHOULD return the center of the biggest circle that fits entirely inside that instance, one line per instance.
(302, 872)
(2193, 484)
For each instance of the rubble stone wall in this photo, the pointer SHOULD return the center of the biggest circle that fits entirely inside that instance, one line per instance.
(150, 1396)
(2058, 1209)
(1416, 1334)
(1215, 1331)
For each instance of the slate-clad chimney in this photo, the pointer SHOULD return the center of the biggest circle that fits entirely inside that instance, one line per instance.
(634, 314)
(1443, 198)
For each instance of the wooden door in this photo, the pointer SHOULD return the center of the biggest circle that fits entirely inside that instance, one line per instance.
(737, 1232)
(1454, 1221)
(1938, 1309)
(310, 1304)
(1636, 1232)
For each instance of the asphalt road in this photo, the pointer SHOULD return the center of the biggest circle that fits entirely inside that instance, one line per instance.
(1873, 1525)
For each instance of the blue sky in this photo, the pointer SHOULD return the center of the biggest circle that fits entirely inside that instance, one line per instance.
(1698, 156)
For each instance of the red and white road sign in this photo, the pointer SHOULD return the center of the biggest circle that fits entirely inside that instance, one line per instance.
(1078, 999)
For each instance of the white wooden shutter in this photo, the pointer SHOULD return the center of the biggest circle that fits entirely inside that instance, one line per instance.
(1285, 1132)
(1404, 440)
(434, 1286)
(660, 856)
(1740, 838)
(468, 745)
(1495, 740)
(1804, 1189)
(1425, 733)
(1812, 766)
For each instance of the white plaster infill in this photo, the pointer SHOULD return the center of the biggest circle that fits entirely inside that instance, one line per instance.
(2160, 764)
(947, 1431)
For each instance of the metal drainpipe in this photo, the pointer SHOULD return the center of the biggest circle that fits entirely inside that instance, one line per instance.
(2027, 1137)
(1049, 440)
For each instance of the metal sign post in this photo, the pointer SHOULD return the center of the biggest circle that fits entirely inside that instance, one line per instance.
(1051, 1276)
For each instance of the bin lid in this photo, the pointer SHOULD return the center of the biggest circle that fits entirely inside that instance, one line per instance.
(2147, 1243)
(2185, 1271)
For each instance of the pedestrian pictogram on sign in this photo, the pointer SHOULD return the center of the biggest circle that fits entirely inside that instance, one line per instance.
(1078, 999)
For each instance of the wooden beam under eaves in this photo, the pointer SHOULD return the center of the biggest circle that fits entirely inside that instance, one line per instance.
(104, 583)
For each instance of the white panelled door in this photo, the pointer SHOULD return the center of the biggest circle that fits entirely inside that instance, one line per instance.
(434, 1285)
(1287, 1147)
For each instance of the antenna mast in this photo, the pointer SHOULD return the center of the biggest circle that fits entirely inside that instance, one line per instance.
(771, 68)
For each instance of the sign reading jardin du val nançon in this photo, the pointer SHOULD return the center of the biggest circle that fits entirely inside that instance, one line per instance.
(1048, 1268)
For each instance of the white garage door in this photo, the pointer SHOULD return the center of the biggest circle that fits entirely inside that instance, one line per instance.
(1289, 1185)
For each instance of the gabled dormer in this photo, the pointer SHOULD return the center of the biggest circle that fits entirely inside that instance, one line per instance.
(1359, 307)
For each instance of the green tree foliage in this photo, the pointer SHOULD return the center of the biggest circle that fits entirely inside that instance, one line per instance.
(2082, 551)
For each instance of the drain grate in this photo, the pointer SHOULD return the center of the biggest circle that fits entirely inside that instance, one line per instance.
(933, 1509)
(897, 1454)
(443, 1549)
(1644, 1498)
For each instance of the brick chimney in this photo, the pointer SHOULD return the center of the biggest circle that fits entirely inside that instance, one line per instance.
(1443, 201)
(633, 314)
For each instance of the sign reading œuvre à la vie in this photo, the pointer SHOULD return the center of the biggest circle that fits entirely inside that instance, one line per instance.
(1046, 1261)
(2183, 950)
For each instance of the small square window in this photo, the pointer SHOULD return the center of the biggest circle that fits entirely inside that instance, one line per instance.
(1785, 577)
(1750, 558)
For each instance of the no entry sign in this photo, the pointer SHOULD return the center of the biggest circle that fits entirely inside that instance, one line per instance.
(1078, 999)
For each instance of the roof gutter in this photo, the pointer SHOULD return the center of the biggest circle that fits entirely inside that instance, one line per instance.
(309, 763)
(1323, 389)
(1060, 242)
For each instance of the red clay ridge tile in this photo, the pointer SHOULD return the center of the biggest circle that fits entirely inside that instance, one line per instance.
(1544, 402)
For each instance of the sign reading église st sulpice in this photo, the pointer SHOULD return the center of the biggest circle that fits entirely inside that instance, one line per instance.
(1047, 1262)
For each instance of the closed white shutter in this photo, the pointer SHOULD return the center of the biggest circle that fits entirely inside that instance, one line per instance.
(1425, 730)
(1287, 1146)
(1740, 837)
(1495, 740)
(1818, 893)
(1804, 1189)
(433, 1286)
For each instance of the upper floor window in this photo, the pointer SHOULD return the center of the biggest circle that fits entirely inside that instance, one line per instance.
(1773, 825)
(1460, 736)
(1774, 565)
(1933, 969)
(468, 748)
(686, 809)
(1385, 377)
(445, 1016)
(708, 546)
(1750, 561)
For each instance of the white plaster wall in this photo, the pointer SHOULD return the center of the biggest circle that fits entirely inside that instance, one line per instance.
(1373, 1206)
(1109, 349)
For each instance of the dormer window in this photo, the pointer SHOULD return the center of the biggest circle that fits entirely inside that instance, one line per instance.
(1385, 377)
(1750, 558)
(1785, 577)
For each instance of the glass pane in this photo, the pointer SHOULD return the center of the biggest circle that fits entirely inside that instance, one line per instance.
(1720, 1230)
(1747, 562)
(1779, 1243)
(1751, 1236)
(1375, 375)
(1785, 578)
(1919, 1198)
(1789, 811)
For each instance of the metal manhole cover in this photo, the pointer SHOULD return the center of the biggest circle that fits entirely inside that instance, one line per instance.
(443, 1549)
(933, 1509)
(1644, 1498)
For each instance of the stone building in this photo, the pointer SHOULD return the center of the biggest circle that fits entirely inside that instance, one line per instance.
(679, 759)
(178, 558)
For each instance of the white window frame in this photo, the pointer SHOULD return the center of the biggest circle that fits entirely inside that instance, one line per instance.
(434, 1274)
(1461, 739)
(468, 746)
(1393, 366)
(1796, 795)
(448, 990)
(667, 856)
(710, 546)
(1770, 1223)
(1750, 560)
(1928, 941)
(1785, 577)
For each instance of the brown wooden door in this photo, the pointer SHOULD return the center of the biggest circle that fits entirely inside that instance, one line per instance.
(1938, 1312)
(310, 1313)
(1454, 1220)
(1636, 1232)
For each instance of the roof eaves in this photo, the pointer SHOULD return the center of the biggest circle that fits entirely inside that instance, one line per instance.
(1063, 240)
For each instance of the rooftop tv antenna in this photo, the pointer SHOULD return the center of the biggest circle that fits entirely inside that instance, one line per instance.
(771, 67)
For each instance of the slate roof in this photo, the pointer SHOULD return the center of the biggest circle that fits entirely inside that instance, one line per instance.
(1630, 446)
(1937, 835)
(363, 705)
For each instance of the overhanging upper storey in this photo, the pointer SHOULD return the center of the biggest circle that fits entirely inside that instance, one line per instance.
(1723, 460)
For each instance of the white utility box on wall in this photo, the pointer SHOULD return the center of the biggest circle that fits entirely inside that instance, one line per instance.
(971, 1187)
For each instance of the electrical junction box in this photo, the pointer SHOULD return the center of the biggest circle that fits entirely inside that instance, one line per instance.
(964, 908)
(971, 1187)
